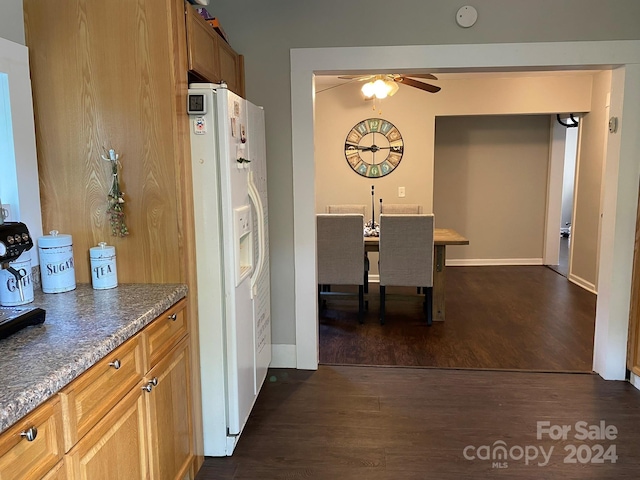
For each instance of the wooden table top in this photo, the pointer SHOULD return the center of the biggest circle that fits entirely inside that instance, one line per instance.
(441, 236)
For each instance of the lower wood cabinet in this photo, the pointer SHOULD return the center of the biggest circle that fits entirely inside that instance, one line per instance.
(33, 446)
(169, 415)
(128, 417)
(117, 446)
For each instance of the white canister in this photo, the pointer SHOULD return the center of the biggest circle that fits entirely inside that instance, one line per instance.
(9, 287)
(57, 270)
(103, 266)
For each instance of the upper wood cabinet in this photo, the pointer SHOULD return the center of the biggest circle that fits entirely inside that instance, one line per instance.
(210, 57)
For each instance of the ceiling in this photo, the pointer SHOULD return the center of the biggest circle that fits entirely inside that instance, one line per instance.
(324, 82)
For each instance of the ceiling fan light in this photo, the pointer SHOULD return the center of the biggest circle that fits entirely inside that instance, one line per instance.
(393, 88)
(368, 89)
(380, 89)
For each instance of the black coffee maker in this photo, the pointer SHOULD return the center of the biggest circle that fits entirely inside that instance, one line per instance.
(14, 240)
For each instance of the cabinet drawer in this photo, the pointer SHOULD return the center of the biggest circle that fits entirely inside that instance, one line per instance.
(23, 458)
(116, 448)
(165, 332)
(95, 392)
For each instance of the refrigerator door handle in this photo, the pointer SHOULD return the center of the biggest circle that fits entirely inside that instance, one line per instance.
(255, 198)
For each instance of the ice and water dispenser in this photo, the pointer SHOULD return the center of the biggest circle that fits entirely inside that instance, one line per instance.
(243, 239)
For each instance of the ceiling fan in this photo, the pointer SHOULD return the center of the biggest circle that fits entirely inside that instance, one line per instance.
(386, 85)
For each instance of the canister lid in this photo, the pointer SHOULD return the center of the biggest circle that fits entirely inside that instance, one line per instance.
(102, 251)
(55, 239)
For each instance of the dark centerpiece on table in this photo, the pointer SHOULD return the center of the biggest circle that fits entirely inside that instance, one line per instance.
(372, 228)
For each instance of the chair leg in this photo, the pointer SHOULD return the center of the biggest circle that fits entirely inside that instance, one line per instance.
(361, 304)
(382, 301)
(429, 303)
(366, 273)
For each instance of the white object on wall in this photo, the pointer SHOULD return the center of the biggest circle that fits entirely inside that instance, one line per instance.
(466, 16)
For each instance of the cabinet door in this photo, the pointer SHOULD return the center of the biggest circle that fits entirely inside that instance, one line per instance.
(169, 405)
(116, 448)
(229, 67)
(32, 446)
(202, 47)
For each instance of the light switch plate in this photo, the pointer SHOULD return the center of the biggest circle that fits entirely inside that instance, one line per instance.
(401, 192)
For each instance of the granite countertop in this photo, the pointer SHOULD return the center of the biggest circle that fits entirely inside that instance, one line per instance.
(81, 327)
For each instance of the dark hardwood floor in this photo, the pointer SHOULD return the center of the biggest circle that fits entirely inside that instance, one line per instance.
(499, 317)
(371, 423)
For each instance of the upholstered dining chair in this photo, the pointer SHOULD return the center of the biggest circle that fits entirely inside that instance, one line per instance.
(340, 254)
(347, 208)
(354, 208)
(400, 208)
(406, 256)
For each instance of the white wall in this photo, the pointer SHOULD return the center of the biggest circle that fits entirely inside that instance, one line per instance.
(490, 184)
(585, 227)
(12, 21)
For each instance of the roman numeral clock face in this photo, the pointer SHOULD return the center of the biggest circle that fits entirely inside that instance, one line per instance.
(374, 147)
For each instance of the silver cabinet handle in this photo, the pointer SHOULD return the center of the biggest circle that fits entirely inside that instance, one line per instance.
(173, 317)
(115, 364)
(30, 434)
(150, 384)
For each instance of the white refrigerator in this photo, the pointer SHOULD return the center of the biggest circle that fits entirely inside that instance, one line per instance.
(232, 252)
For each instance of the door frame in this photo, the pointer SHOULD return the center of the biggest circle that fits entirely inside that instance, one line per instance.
(620, 180)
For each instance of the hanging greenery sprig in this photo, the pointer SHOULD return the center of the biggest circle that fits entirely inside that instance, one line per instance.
(115, 197)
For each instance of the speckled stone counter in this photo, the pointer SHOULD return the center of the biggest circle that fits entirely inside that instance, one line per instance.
(81, 327)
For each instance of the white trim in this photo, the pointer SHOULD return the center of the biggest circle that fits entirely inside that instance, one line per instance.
(283, 356)
(484, 262)
(581, 282)
(622, 170)
(634, 380)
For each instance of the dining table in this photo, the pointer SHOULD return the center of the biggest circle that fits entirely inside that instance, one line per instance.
(441, 238)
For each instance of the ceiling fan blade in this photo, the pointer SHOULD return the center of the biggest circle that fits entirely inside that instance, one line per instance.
(421, 75)
(415, 83)
(356, 77)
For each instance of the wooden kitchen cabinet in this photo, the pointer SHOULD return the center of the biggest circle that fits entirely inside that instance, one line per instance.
(169, 415)
(153, 422)
(33, 446)
(210, 57)
(127, 417)
(121, 73)
(116, 448)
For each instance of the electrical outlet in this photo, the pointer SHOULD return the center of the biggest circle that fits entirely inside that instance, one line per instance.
(6, 212)
(401, 192)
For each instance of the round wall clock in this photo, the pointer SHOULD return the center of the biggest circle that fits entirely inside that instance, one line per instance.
(374, 147)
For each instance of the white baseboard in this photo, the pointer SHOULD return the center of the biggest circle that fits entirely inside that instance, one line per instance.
(484, 262)
(283, 355)
(635, 380)
(581, 282)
